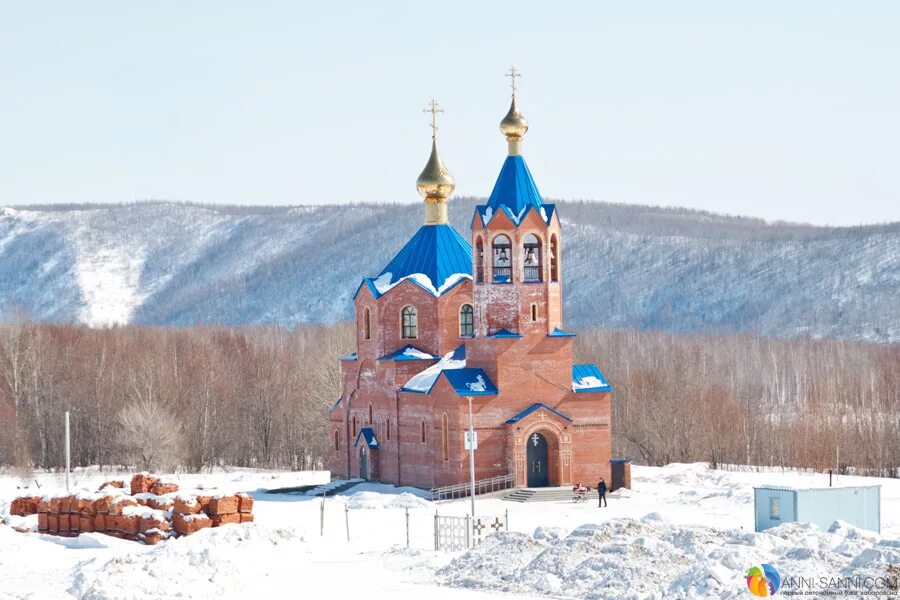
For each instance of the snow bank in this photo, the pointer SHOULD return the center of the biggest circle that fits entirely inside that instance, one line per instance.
(379, 500)
(627, 558)
(220, 562)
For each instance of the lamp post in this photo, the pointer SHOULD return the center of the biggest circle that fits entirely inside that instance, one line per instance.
(471, 456)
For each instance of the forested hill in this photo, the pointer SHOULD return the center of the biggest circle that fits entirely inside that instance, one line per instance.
(623, 266)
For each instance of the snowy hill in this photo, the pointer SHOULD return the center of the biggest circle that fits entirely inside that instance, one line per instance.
(624, 266)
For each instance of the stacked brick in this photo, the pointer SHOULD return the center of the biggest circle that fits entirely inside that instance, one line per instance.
(153, 512)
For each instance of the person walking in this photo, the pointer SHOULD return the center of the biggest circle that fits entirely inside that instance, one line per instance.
(601, 493)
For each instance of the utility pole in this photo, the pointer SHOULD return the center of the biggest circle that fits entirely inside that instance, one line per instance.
(68, 453)
(472, 455)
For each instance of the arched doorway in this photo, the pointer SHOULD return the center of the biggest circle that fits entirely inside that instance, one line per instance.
(537, 462)
(363, 463)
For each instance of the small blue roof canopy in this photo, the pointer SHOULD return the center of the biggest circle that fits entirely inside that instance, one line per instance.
(408, 352)
(368, 435)
(533, 408)
(436, 251)
(470, 382)
(505, 333)
(557, 332)
(588, 378)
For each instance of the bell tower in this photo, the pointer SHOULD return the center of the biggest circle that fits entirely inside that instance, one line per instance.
(516, 247)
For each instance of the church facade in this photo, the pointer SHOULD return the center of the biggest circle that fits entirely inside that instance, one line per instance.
(450, 321)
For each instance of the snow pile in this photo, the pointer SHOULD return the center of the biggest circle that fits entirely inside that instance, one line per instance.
(221, 562)
(479, 385)
(587, 383)
(628, 558)
(377, 500)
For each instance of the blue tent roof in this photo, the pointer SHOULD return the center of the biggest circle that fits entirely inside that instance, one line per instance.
(413, 354)
(368, 435)
(533, 408)
(515, 187)
(486, 213)
(588, 378)
(470, 382)
(436, 251)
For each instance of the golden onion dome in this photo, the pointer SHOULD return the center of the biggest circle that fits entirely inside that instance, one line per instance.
(435, 183)
(514, 125)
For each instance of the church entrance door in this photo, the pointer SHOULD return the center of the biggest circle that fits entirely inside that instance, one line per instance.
(363, 463)
(538, 467)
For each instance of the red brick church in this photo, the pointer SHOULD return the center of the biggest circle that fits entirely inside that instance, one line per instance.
(446, 321)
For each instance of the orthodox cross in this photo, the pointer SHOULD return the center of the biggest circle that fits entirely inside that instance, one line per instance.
(535, 439)
(512, 74)
(434, 108)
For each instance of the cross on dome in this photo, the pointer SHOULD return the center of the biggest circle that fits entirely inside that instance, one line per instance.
(434, 108)
(512, 74)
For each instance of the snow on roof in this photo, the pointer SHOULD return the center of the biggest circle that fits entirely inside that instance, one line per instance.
(588, 378)
(408, 352)
(435, 258)
(515, 188)
(533, 408)
(487, 213)
(422, 382)
(470, 382)
(349, 357)
(369, 436)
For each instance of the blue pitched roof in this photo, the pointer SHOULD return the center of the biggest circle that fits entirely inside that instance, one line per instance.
(515, 187)
(533, 408)
(557, 332)
(423, 381)
(588, 378)
(336, 404)
(436, 251)
(349, 357)
(470, 382)
(368, 435)
(505, 333)
(401, 354)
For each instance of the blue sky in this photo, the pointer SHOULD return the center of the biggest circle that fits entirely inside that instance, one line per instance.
(782, 110)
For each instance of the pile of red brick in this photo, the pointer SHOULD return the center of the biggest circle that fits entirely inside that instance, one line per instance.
(154, 511)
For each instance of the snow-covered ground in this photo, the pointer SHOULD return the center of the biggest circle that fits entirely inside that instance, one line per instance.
(684, 531)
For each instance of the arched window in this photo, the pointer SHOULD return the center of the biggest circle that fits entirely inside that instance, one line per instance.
(532, 258)
(479, 260)
(367, 326)
(410, 323)
(422, 436)
(466, 321)
(534, 312)
(370, 414)
(502, 259)
(387, 429)
(354, 429)
(445, 436)
(554, 259)
(337, 440)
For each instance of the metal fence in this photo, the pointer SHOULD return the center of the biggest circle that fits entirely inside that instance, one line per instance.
(453, 534)
(482, 486)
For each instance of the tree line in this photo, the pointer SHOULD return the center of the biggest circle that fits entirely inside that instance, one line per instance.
(749, 400)
(162, 397)
(197, 397)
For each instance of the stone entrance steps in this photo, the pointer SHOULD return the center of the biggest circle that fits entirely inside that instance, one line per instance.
(554, 494)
